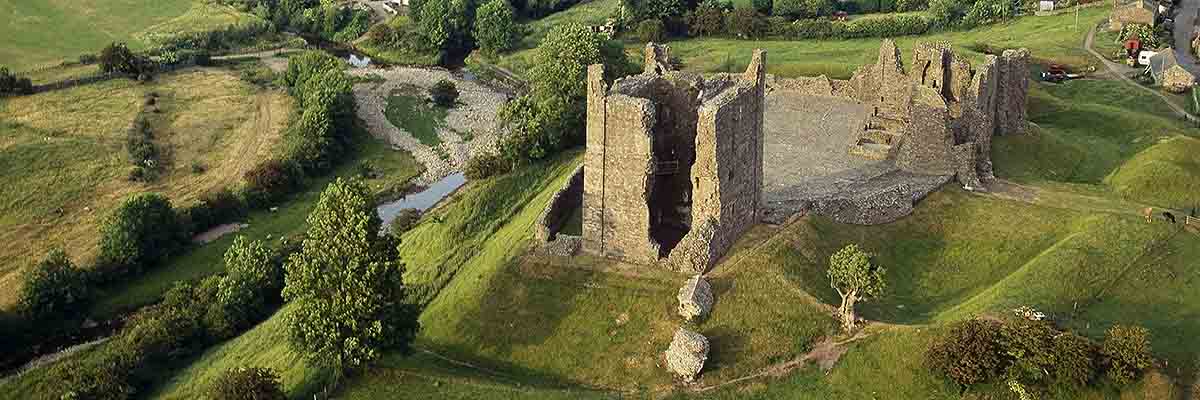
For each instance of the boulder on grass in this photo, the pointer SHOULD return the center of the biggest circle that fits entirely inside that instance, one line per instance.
(695, 299)
(687, 354)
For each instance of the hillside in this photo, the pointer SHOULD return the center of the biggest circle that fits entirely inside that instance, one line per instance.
(31, 39)
(63, 154)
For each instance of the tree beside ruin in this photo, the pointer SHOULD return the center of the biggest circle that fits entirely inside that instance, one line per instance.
(855, 280)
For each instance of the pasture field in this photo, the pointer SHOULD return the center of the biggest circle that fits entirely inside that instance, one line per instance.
(44, 33)
(63, 155)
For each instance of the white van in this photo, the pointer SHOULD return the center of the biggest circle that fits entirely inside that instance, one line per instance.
(1144, 57)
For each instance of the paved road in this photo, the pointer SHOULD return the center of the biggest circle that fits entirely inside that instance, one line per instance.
(1117, 69)
(1185, 21)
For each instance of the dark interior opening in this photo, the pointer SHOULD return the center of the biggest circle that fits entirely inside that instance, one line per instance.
(674, 139)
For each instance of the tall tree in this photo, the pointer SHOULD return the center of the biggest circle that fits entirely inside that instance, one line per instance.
(53, 287)
(855, 279)
(495, 29)
(141, 232)
(346, 283)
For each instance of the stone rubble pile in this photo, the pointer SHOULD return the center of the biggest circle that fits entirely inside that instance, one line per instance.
(695, 299)
(687, 354)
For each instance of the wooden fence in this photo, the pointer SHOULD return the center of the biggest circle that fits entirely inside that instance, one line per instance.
(1191, 222)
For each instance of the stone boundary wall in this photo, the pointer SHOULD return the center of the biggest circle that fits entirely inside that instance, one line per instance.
(880, 204)
(566, 200)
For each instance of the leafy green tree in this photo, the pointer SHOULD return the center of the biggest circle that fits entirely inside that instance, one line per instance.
(552, 114)
(802, 8)
(747, 23)
(989, 11)
(947, 12)
(346, 283)
(1126, 351)
(143, 231)
(855, 279)
(1074, 361)
(970, 353)
(116, 57)
(54, 287)
(243, 383)
(762, 6)
(446, 24)
(708, 19)
(444, 93)
(252, 281)
(495, 28)
(650, 30)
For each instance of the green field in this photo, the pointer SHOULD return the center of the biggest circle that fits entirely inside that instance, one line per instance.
(43, 33)
(63, 154)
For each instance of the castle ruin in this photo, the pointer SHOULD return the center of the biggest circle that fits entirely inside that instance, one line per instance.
(678, 166)
(673, 163)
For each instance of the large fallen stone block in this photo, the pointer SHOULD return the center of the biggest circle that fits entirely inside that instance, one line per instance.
(687, 354)
(695, 299)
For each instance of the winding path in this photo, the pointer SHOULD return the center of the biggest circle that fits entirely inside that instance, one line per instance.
(1115, 69)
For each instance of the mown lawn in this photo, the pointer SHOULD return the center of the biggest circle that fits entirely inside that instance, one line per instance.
(63, 155)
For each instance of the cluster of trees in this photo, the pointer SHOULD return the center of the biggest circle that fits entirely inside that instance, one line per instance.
(118, 58)
(456, 27)
(327, 19)
(1032, 356)
(190, 318)
(10, 83)
(552, 114)
(801, 19)
(341, 256)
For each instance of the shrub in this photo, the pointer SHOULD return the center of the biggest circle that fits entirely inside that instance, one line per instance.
(802, 8)
(650, 30)
(1126, 352)
(215, 207)
(270, 181)
(495, 28)
(889, 26)
(484, 166)
(1075, 360)
(970, 353)
(88, 58)
(747, 23)
(96, 378)
(11, 84)
(945, 13)
(405, 221)
(763, 6)
(444, 93)
(253, 280)
(54, 287)
(988, 11)
(911, 5)
(116, 57)
(707, 20)
(142, 232)
(247, 384)
(1030, 347)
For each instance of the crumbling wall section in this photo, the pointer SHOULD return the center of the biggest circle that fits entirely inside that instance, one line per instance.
(979, 115)
(1012, 92)
(805, 86)
(928, 136)
(560, 208)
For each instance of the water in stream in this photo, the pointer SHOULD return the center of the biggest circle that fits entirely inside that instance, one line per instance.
(422, 200)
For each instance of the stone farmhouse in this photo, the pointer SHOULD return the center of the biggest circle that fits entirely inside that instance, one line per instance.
(1167, 72)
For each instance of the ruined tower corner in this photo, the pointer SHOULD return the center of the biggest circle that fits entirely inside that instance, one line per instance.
(756, 72)
(657, 59)
(595, 78)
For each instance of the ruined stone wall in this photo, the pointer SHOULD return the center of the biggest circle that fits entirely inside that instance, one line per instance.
(928, 138)
(806, 86)
(559, 210)
(1012, 92)
(636, 131)
(979, 116)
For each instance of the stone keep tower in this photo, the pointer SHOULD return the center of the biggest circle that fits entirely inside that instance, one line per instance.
(674, 163)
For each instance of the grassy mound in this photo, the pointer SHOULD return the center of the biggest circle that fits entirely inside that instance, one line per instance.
(1166, 174)
(63, 154)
